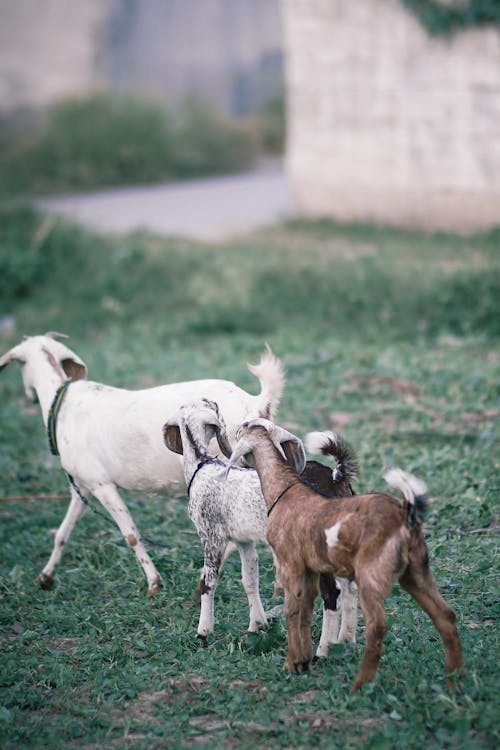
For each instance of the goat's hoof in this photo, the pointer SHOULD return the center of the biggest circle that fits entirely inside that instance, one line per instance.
(155, 588)
(203, 639)
(45, 581)
(453, 680)
(256, 627)
(296, 667)
(356, 685)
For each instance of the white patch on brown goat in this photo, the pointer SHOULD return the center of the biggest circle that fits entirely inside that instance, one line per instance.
(332, 534)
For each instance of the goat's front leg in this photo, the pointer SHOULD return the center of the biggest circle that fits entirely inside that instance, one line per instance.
(110, 498)
(75, 511)
(372, 604)
(250, 580)
(278, 584)
(291, 609)
(310, 591)
(213, 556)
(349, 610)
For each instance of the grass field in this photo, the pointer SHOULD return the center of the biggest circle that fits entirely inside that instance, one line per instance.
(391, 335)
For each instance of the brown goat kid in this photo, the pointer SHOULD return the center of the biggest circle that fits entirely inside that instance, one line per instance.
(373, 539)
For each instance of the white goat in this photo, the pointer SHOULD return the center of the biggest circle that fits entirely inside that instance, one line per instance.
(111, 437)
(234, 513)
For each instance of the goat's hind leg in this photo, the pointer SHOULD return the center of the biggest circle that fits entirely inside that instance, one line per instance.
(250, 580)
(331, 617)
(212, 564)
(110, 498)
(75, 511)
(419, 582)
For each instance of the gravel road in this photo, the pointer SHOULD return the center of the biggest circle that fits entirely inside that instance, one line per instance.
(207, 209)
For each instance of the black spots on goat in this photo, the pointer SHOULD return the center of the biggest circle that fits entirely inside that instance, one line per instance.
(417, 510)
(329, 591)
(204, 587)
(420, 505)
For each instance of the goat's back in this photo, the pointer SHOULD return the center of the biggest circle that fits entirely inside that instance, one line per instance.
(329, 536)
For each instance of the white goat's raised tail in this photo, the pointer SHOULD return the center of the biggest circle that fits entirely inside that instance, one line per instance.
(109, 438)
(271, 375)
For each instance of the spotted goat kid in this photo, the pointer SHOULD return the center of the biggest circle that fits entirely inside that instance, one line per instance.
(373, 539)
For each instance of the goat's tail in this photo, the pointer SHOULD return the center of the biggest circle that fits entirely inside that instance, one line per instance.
(414, 491)
(271, 374)
(330, 444)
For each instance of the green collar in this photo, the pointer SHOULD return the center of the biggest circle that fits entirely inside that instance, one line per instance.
(53, 414)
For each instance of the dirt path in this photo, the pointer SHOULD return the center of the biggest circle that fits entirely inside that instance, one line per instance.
(208, 209)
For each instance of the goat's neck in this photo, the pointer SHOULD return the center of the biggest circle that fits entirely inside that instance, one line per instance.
(191, 455)
(274, 473)
(46, 382)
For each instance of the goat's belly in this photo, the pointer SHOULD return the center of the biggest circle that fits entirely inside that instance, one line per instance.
(340, 564)
(164, 478)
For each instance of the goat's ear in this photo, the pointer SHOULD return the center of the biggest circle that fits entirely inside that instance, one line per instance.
(222, 439)
(172, 438)
(73, 369)
(9, 356)
(295, 454)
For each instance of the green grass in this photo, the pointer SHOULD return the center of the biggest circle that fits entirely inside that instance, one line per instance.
(391, 333)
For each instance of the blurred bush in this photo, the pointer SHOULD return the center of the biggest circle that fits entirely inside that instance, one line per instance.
(271, 125)
(107, 140)
(441, 18)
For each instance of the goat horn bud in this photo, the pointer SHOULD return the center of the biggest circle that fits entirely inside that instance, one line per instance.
(241, 448)
(56, 335)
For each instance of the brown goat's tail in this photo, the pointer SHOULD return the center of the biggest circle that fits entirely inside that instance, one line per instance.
(271, 374)
(330, 444)
(414, 491)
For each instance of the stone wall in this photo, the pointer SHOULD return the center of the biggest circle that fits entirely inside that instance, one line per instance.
(49, 49)
(228, 52)
(386, 123)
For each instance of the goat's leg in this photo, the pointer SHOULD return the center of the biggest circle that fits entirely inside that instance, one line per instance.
(75, 511)
(291, 609)
(278, 583)
(230, 548)
(110, 498)
(250, 580)
(372, 604)
(349, 610)
(212, 563)
(331, 618)
(425, 592)
(310, 591)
